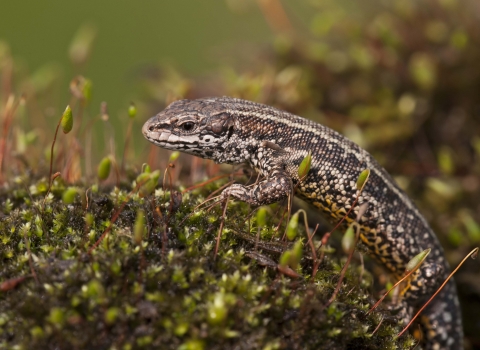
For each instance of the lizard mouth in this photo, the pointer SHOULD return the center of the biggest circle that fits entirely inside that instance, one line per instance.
(154, 135)
(166, 139)
(157, 134)
(158, 138)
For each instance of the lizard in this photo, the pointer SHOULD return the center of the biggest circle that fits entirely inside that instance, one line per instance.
(274, 143)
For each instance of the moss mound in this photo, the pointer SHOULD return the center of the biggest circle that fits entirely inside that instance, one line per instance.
(168, 290)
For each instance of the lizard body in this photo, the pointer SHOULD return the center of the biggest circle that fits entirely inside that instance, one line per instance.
(274, 142)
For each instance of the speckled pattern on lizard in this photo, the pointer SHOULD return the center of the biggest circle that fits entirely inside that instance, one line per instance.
(274, 142)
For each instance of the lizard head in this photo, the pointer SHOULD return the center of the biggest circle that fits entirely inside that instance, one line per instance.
(198, 127)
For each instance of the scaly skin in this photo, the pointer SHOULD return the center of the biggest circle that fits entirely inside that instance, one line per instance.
(275, 142)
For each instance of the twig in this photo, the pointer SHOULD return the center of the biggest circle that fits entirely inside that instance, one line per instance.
(127, 141)
(10, 108)
(30, 262)
(209, 181)
(51, 158)
(344, 269)
(222, 222)
(378, 326)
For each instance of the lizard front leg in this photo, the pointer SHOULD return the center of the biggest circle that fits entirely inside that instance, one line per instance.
(274, 188)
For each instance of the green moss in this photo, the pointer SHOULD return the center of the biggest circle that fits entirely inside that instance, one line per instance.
(126, 295)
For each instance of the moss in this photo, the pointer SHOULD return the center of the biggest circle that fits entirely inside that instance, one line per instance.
(170, 290)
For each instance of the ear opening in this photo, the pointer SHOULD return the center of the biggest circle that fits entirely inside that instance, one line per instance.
(230, 132)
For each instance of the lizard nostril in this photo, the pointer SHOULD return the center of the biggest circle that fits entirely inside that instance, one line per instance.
(151, 128)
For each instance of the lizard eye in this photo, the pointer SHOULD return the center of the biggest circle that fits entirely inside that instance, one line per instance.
(188, 126)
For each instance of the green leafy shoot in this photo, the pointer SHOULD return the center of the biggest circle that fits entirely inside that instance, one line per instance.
(67, 120)
(174, 156)
(67, 124)
(104, 167)
(417, 260)
(132, 110)
(139, 227)
(362, 179)
(348, 239)
(261, 216)
(291, 258)
(292, 227)
(147, 182)
(305, 165)
(69, 195)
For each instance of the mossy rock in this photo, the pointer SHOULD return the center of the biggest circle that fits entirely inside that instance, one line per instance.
(168, 290)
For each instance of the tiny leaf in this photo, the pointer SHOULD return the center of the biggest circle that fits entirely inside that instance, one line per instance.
(143, 178)
(446, 161)
(217, 311)
(57, 316)
(362, 179)
(67, 120)
(262, 216)
(69, 194)
(89, 219)
(87, 90)
(149, 181)
(348, 240)
(139, 227)
(146, 168)
(417, 260)
(292, 257)
(82, 43)
(173, 156)
(304, 167)
(112, 315)
(423, 70)
(285, 258)
(297, 253)
(132, 110)
(292, 227)
(104, 168)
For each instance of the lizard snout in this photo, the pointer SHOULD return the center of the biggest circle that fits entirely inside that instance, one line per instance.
(148, 127)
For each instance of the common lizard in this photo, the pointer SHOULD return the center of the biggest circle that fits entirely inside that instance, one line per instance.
(274, 143)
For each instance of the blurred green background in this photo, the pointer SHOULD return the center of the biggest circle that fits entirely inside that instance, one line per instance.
(194, 36)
